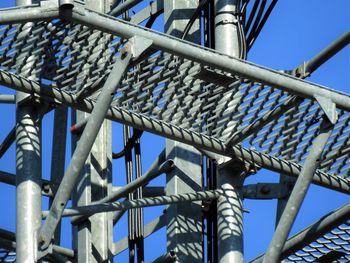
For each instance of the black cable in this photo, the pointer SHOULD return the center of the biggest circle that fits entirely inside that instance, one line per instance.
(195, 15)
(262, 23)
(153, 18)
(252, 15)
(129, 144)
(257, 20)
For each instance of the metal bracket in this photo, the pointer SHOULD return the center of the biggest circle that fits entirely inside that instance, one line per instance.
(266, 191)
(215, 77)
(301, 71)
(328, 107)
(138, 45)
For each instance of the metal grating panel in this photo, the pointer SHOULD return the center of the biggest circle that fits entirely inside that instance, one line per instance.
(7, 256)
(337, 240)
(168, 88)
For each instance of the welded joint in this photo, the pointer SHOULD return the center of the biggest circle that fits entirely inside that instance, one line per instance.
(137, 46)
(328, 107)
(41, 253)
(301, 71)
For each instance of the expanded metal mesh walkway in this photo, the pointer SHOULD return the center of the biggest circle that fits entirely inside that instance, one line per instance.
(189, 100)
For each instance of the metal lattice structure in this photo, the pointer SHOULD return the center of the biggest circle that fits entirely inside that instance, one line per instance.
(237, 116)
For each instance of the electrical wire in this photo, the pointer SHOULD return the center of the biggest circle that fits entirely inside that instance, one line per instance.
(268, 12)
(251, 16)
(257, 20)
(195, 15)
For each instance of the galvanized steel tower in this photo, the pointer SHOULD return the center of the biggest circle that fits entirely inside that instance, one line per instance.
(116, 65)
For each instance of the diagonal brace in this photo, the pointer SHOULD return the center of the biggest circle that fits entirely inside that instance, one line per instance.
(83, 148)
(298, 194)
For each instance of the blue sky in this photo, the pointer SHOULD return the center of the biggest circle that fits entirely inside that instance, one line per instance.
(295, 32)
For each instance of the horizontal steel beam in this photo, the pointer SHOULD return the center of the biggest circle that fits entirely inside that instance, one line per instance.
(124, 6)
(10, 179)
(7, 99)
(45, 11)
(313, 232)
(209, 57)
(10, 237)
(138, 203)
(176, 133)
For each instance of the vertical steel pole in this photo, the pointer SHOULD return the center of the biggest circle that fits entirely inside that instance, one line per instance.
(230, 177)
(230, 174)
(184, 221)
(28, 168)
(226, 27)
(93, 237)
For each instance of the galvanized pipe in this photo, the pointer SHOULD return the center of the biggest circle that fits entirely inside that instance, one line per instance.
(29, 12)
(298, 194)
(310, 66)
(226, 27)
(312, 232)
(138, 203)
(83, 149)
(7, 99)
(210, 58)
(152, 173)
(8, 141)
(28, 165)
(230, 177)
(122, 7)
(10, 236)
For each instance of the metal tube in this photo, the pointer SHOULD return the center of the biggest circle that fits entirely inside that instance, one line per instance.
(7, 99)
(226, 30)
(121, 8)
(28, 181)
(176, 133)
(8, 235)
(152, 173)
(79, 126)
(137, 203)
(314, 63)
(312, 232)
(10, 179)
(230, 177)
(29, 13)
(7, 178)
(211, 58)
(6, 144)
(28, 165)
(83, 149)
(297, 196)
